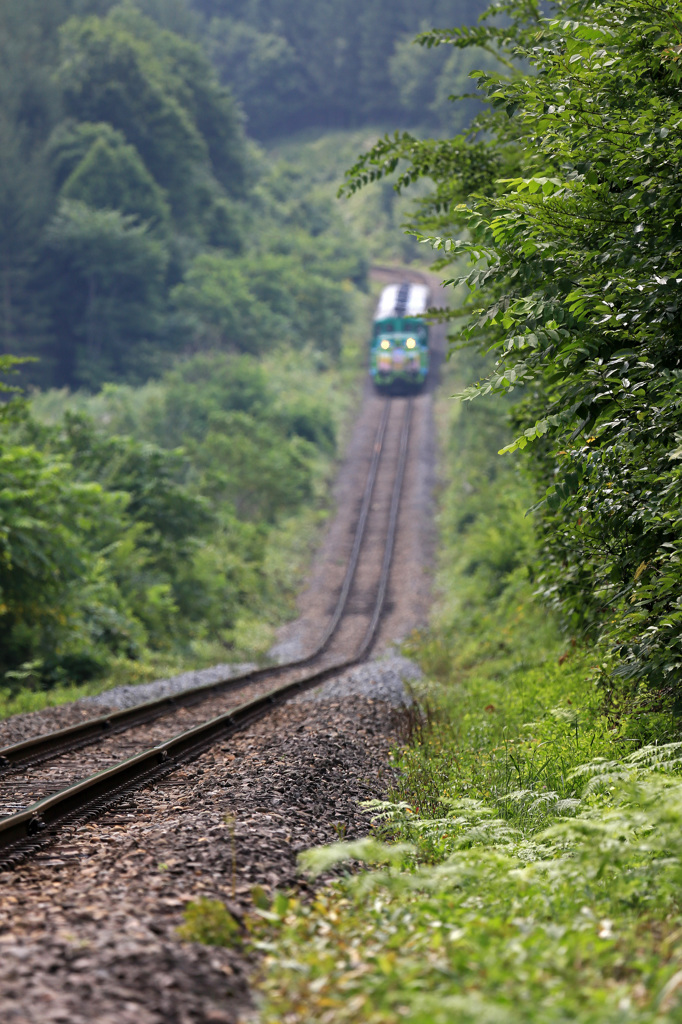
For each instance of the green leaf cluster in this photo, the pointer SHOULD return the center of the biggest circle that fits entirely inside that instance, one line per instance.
(571, 221)
(157, 525)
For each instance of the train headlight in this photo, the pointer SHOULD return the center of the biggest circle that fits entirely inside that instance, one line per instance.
(385, 344)
(410, 343)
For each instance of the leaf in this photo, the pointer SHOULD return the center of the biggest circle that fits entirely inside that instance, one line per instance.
(369, 851)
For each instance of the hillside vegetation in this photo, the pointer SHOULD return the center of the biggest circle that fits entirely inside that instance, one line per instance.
(137, 222)
(297, 64)
(186, 310)
(150, 529)
(195, 310)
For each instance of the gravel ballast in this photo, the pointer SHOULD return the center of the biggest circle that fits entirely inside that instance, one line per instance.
(121, 697)
(88, 932)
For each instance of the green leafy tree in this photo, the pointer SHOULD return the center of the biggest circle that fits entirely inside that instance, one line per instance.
(161, 94)
(107, 279)
(262, 69)
(52, 528)
(71, 141)
(296, 63)
(113, 177)
(193, 80)
(197, 388)
(109, 75)
(28, 110)
(248, 464)
(168, 518)
(574, 229)
(426, 82)
(174, 15)
(25, 200)
(221, 310)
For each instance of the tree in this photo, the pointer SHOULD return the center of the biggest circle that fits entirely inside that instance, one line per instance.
(25, 202)
(27, 112)
(222, 311)
(107, 275)
(380, 29)
(425, 83)
(577, 252)
(48, 563)
(109, 75)
(210, 106)
(113, 177)
(249, 465)
(262, 69)
(295, 63)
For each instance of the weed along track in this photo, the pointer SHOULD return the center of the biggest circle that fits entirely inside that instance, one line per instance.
(67, 777)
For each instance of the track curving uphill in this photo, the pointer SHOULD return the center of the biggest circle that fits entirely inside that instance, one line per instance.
(368, 587)
(62, 778)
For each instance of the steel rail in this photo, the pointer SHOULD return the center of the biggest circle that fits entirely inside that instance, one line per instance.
(38, 749)
(31, 829)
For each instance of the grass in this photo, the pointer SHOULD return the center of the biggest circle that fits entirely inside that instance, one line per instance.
(528, 865)
(122, 671)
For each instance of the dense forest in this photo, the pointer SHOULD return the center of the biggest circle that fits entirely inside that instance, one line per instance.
(130, 194)
(301, 63)
(149, 244)
(135, 221)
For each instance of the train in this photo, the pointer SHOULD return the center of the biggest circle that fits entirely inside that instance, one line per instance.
(399, 352)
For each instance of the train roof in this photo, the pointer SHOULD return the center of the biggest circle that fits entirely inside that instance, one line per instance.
(407, 299)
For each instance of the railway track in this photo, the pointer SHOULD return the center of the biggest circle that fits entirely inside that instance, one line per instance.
(59, 779)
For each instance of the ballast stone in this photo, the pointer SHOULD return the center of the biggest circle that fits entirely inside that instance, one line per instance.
(382, 680)
(127, 696)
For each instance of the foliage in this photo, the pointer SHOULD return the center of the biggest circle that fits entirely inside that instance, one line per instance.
(252, 62)
(299, 188)
(116, 106)
(106, 282)
(114, 177)
(209, 921)
(570, 221)
(121, 70)
(309, 63)
(577, 922)
(126, 186)
(166, 523)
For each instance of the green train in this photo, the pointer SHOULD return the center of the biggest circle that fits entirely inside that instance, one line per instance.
(399, 354)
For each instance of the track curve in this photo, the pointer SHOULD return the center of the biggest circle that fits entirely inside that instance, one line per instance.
(28, 828)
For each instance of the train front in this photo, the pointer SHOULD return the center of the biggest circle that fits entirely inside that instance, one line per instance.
(399, 358)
